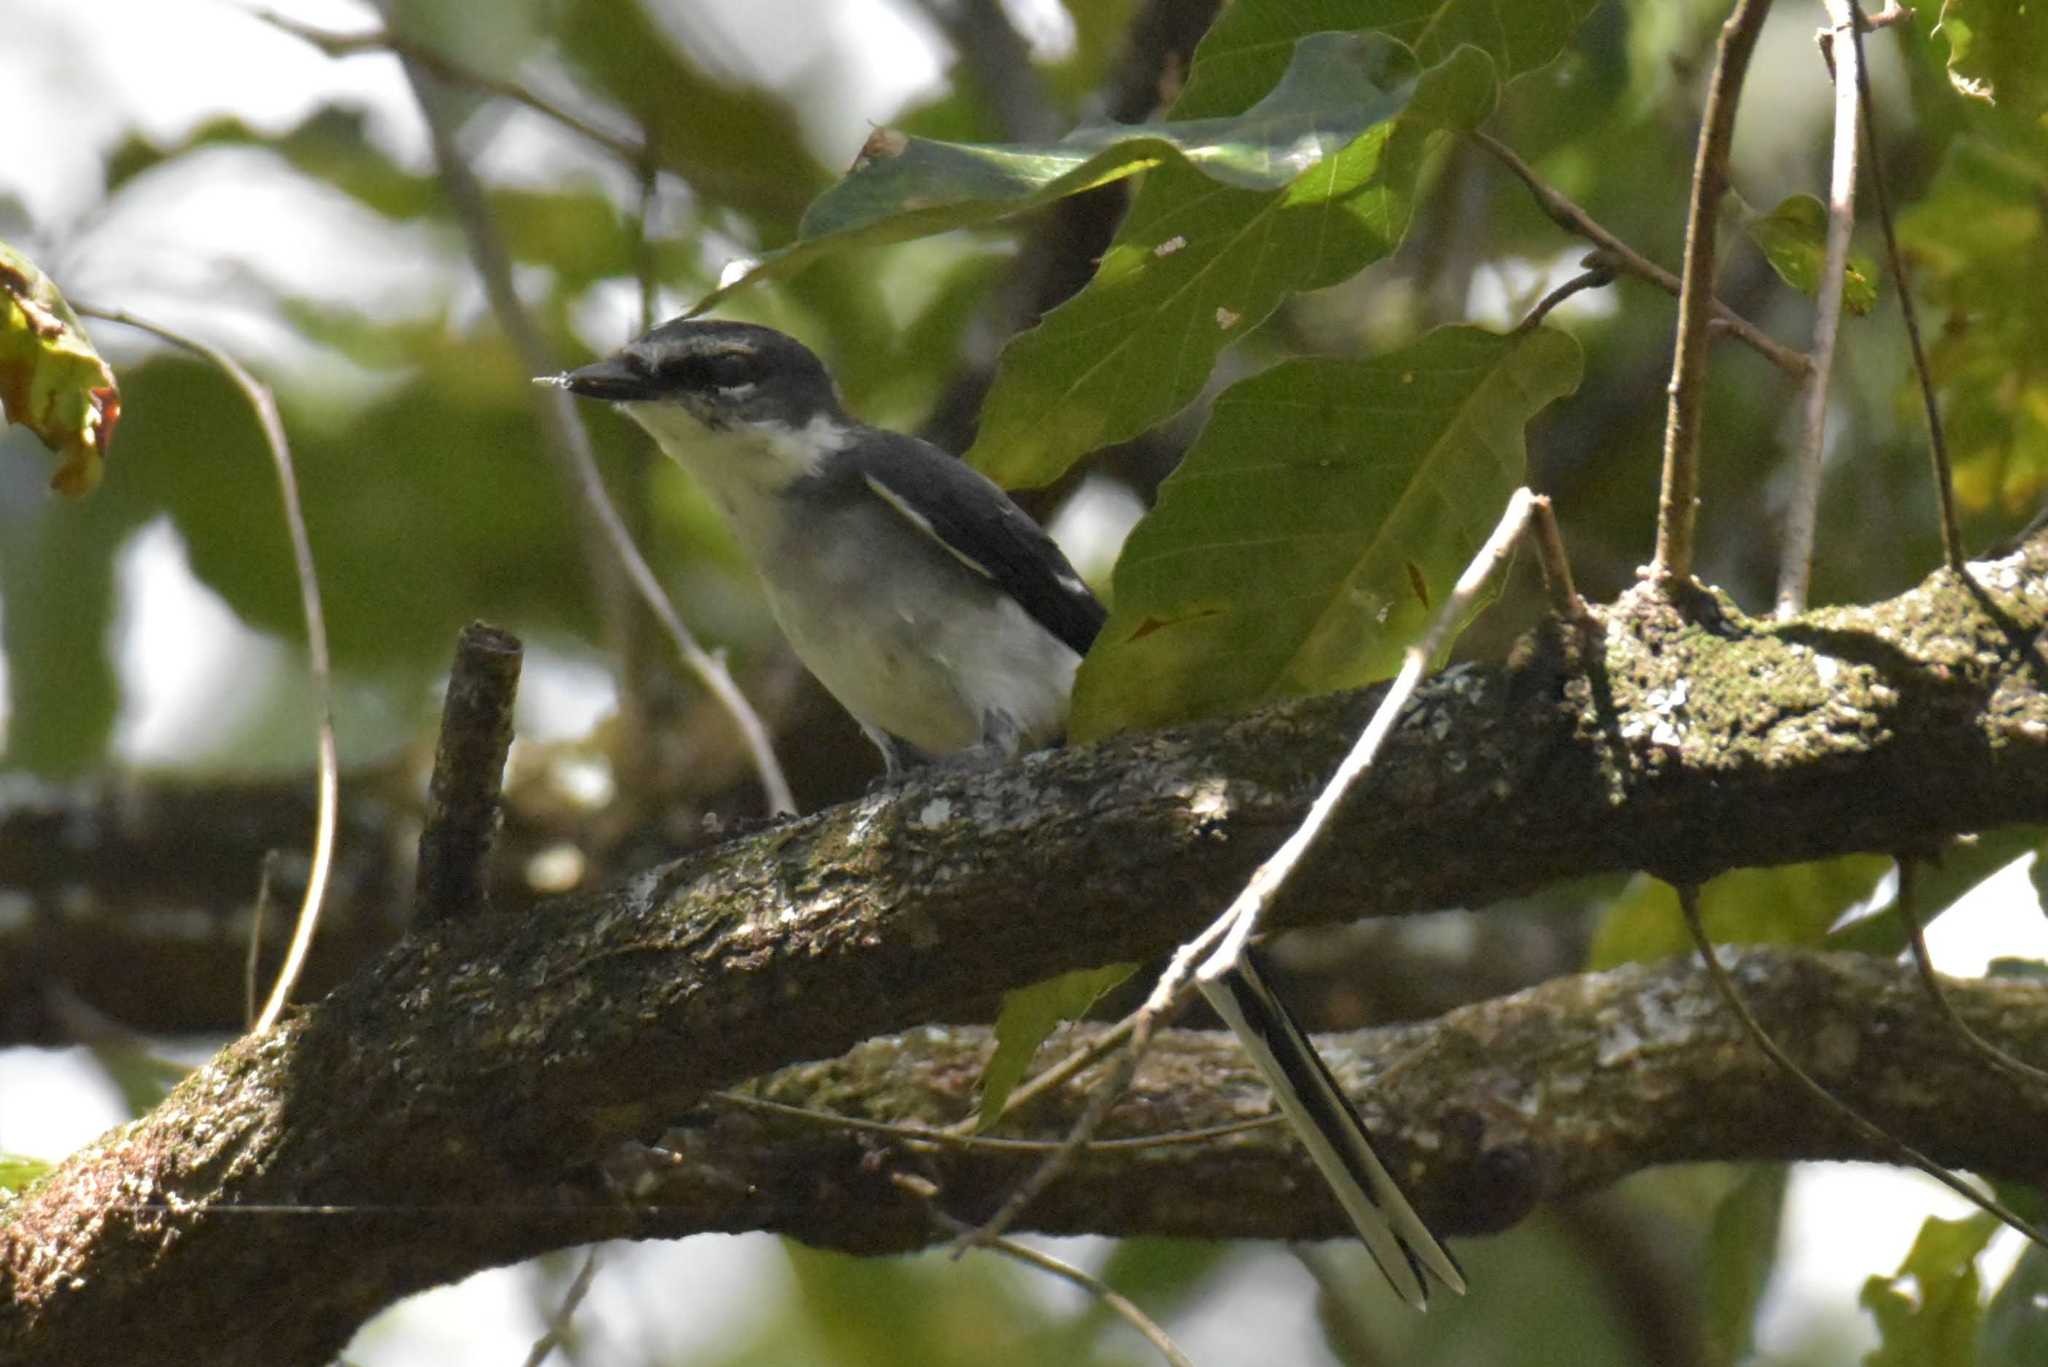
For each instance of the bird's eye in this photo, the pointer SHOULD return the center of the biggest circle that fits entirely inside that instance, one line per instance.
(711, 370)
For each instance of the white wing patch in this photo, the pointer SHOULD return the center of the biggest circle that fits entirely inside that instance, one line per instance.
(924, 524)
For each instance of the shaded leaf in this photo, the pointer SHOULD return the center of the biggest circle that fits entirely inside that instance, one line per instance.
(142, 1078)
(1793, 238)
(2015, 1332)
(1940, 884)
(1998, 52)
(1278, 558)
(51, 380)
(1029, 1016)
(1927, 1312)
(1197, 265)
(1742, 1250)
(1793, 904)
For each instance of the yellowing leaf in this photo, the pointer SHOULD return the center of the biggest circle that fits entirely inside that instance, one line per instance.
(51, 380)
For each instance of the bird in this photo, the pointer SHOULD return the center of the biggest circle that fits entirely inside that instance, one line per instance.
(946, 621)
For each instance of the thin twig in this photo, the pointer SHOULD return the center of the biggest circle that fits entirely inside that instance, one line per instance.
(259, 916)
(1884, 1140)
(1795, 565)
(1597, 274)
(318, 666)
(949, 1137)
(1678, 493)
(558, 1323)
(1937, 442)
(1923, 962)
(1557, 567)
(1112, 1299)
(463, 813)
(1569, 216)
(570, 444)
(455, 73)
(1241, 918)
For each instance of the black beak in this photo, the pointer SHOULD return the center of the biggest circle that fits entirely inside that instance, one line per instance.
(611, 380)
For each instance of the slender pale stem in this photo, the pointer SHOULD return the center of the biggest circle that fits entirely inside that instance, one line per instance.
(1678, 498)
(1795, 566)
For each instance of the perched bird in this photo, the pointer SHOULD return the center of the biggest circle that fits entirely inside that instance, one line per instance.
(949, 624)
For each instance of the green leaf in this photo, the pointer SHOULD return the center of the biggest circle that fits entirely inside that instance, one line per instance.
(1742, 1249)
(51, 380)
(1197, 265)
(2037, 874)
(1284, 553)
(1793, 238)
(142, 1078)
(1339, 85)
(1940, 884)
(1998, 52)
(1793, 904)
(1927, 1312)
(1029, 1015)
(17, 1171)
(2015, 1332)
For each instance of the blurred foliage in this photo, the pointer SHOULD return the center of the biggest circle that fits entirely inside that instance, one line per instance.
(1928, 1311)
(1314, 483)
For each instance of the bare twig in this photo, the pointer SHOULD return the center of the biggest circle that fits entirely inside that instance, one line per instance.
(1112, 1299)
(1884, 1140)
(570, 444)
(951, 1137)
(469, 766)
(318, 667)
(1795, 565)
(259, 916)
(1679, 491)
(1598, 273)
(1937, 443)
(1225, 938)
(558, 1323)
(1626, 259)
(1557, 567)
(1923, 962)
(1241, 918)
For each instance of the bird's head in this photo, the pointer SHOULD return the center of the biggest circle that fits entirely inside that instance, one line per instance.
(723, 375)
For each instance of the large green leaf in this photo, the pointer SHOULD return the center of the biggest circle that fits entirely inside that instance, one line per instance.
(1338, 86)
(1196, 265)
(1941, 883)
(2015, 1332)
(1927, 1312)
(1029, 1016)
(1327, 506)
(1792, 904)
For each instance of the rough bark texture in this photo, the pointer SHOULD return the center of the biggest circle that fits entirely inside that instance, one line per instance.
(474, 1085)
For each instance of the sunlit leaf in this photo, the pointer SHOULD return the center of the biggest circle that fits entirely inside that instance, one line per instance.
(1792, 904)
(1927, 1312)
(1029, 1016)
(1196, 265)
(1278, 559)
(1793, 238)
(51, 380)
(17, 1171)
(1339, 85)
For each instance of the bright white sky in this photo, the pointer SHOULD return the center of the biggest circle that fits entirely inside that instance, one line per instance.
(76, 78)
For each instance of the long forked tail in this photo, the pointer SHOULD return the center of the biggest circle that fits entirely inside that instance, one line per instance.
(1332, 1133)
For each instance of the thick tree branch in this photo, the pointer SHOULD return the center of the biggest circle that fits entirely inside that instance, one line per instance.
(1495, 1107)
(473, 1082)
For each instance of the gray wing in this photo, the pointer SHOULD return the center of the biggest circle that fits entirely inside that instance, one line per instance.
(982, 527)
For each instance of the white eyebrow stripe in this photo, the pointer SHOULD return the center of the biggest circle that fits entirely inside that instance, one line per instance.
(924, 524)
